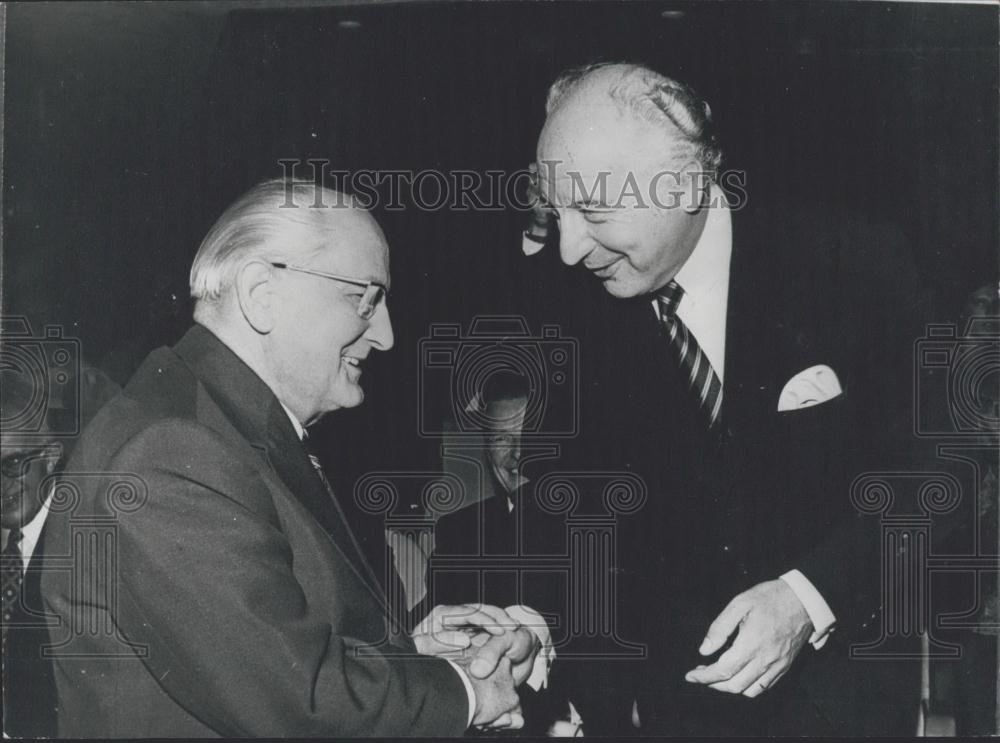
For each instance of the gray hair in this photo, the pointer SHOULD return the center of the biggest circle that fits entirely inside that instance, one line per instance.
(651, 97)
(258, 225)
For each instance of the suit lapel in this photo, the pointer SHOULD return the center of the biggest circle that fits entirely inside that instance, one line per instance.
(255, 415)
(292, 465)
(752, 327)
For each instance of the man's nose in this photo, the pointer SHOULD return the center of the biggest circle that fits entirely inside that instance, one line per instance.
(515, 451)
(379, 331)
(574, 241)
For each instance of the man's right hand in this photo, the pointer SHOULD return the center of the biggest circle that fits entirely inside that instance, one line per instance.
(497, 704)
(448, 630)
(519, 645)
(491, 648)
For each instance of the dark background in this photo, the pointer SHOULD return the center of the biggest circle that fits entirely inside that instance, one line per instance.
(129, 127)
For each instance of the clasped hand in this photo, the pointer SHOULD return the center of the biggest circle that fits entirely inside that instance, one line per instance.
(494, 650)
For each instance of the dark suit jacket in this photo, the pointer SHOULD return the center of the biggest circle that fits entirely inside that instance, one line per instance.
(766, 491)
(210, 584)
(29, 693)
(485, 528)
(489, 553)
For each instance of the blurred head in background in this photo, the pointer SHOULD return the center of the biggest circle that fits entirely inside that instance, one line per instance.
(505, 403)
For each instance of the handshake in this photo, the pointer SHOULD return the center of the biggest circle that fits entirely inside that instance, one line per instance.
(496, 653)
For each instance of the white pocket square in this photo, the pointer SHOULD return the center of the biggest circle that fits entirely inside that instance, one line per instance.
(813, 386)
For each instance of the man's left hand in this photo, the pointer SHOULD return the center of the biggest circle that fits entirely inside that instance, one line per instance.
(773, 626)
(520, 646)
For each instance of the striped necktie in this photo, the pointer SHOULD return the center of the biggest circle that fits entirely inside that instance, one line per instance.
(701, 376)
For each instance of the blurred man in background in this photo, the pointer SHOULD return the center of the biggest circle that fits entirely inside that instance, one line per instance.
(29, 460)
(506, 525)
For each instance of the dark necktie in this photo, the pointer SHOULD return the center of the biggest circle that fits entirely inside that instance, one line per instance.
(29, 694)
(702, 378)
(314, 461)
(13, 572)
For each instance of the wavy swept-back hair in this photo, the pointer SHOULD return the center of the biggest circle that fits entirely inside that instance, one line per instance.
(276, 220)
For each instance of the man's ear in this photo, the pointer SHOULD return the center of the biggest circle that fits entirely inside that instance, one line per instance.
(53, 456)
(697, 186)
(255, 293)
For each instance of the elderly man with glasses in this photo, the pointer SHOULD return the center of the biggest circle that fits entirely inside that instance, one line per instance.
(35, 434)
(235, 599)
(29, 459)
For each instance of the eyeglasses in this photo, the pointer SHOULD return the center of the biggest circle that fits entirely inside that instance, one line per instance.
(16, 465)
(374, 294)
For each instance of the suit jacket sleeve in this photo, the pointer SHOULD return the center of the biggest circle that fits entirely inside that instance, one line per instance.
(206, 582)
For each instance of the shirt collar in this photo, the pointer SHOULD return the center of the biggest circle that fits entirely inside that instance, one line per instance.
(704, 277)
(707, 268)
(299, 430)
(30, 533)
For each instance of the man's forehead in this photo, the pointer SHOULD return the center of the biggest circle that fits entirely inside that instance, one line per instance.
(599, 125)
(583, 130)
(591, 143)
(579, 185)
(507, 425)
(505, 413)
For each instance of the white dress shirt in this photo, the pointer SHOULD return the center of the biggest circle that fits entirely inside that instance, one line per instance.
(30, 533)
(704, 277)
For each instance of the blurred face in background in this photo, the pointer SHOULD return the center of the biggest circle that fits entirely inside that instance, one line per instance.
(503, 439)
(984, 303)
(29, 458)
(26, 465)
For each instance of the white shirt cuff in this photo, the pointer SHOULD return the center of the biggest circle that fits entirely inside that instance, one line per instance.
(469, 691)
(528, 617)
(819, 611)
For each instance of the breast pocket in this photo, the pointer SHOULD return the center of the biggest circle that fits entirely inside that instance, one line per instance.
(813, 453)
(824, 420)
